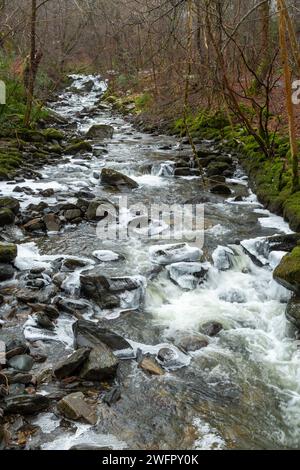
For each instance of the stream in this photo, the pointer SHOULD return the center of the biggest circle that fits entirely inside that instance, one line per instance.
(240, 391)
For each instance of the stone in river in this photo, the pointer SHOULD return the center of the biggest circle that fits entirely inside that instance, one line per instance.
(23, 363)
(150, 365)
(110, 177)
(68, 367)
(192, 343)
(106, 255)
(44, 321)
(52, 222)
(26, 404)
(7, 272)
(188, 275)
(168, 254)
(101, 365)
(10, 203)
(7, 217)
(211, 328)
(88, 334)
(100, 132)
(16, 347)
(221, 189)
(293, 311)
(287, 272)
(8, 252)
(74, 407)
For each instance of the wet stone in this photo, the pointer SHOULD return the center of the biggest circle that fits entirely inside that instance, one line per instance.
(74, 407)
(23, 363)
(211, 329)
(26, 404)
(151, 366)
(68, 367)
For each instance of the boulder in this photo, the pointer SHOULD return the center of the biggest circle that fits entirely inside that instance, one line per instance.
(52, 222)
(79, 147)
(26, 404)
(72, 214)
(71, 264)
(90, 335)
(100, 132)
(44, 321)
(113, 178)
(179, 252)
(221, 189)
(16, 347)
(8, 252)
(7, 272)
(10, 203)
(192, 343)
(68, 367)
(151, 366)
(101, 365)
(223, 258)
(74, 407)
(110, 292)
(211, 328)
(293, 311)
(103, 205)
(286, 242)
(35, 225)
(23, 363)
(188, 275)
(7, 217)
(51, 311)
(287, 272)
(218, 168)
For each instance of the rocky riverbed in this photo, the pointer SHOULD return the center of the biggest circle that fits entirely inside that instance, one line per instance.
(140, 342)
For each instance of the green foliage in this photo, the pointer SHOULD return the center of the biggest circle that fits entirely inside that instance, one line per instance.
(142, 102)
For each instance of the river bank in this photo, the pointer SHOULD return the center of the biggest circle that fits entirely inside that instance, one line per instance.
(125, 344)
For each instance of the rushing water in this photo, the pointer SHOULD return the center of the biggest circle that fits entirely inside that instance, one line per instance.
(243, 390)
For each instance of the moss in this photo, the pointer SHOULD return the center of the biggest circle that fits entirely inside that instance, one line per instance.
(53, 134)
(8, 252)
(7, 217)
(77, 147)
(288, 271)
(10, 203)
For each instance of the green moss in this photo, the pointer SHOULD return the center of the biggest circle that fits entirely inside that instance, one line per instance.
(53, 134)
(288, 271)
(8, 252)
(77, 147)
(7, 217)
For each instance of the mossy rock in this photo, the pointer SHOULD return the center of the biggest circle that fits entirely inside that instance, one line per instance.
(7, 217)
(78, 147)
(288, 272)
(8, 252)
(100, 131)
(4, 176)
(30, 135)
(54, 148)
(217, 168)
(10, 203)
(53, 134)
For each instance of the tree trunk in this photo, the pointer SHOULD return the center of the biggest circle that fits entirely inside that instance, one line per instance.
(32, 63)
(288, 90)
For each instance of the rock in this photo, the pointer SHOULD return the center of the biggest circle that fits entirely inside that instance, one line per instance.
(72, 214)
(211, 329)
(293, 311)
(26, 404)
(90, 335)
(8, 252)
(287, 272)
(106, 255)
(188, 275)
(186, 171)
(48, 310)
(107, 292)
(71, 306)
(44, 321)
(7, 272)
(192, 343)
(52, 222)
(222, 189)
(79, 147)
(68, 367)
(110, 177)
(218, 168)
(15, 377)
(223, 258)
(47, 192)
(35, 225)
(150, 365)
(112, 396)
(23, 363)
(100, 132)
(71, 264)
(74, 407)
(10, 203)
(16, 347)
(7, 217)
(166, 355)
(286, 242)
(96, 208)
(101, 365)
(53, 134)
(168, 254)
